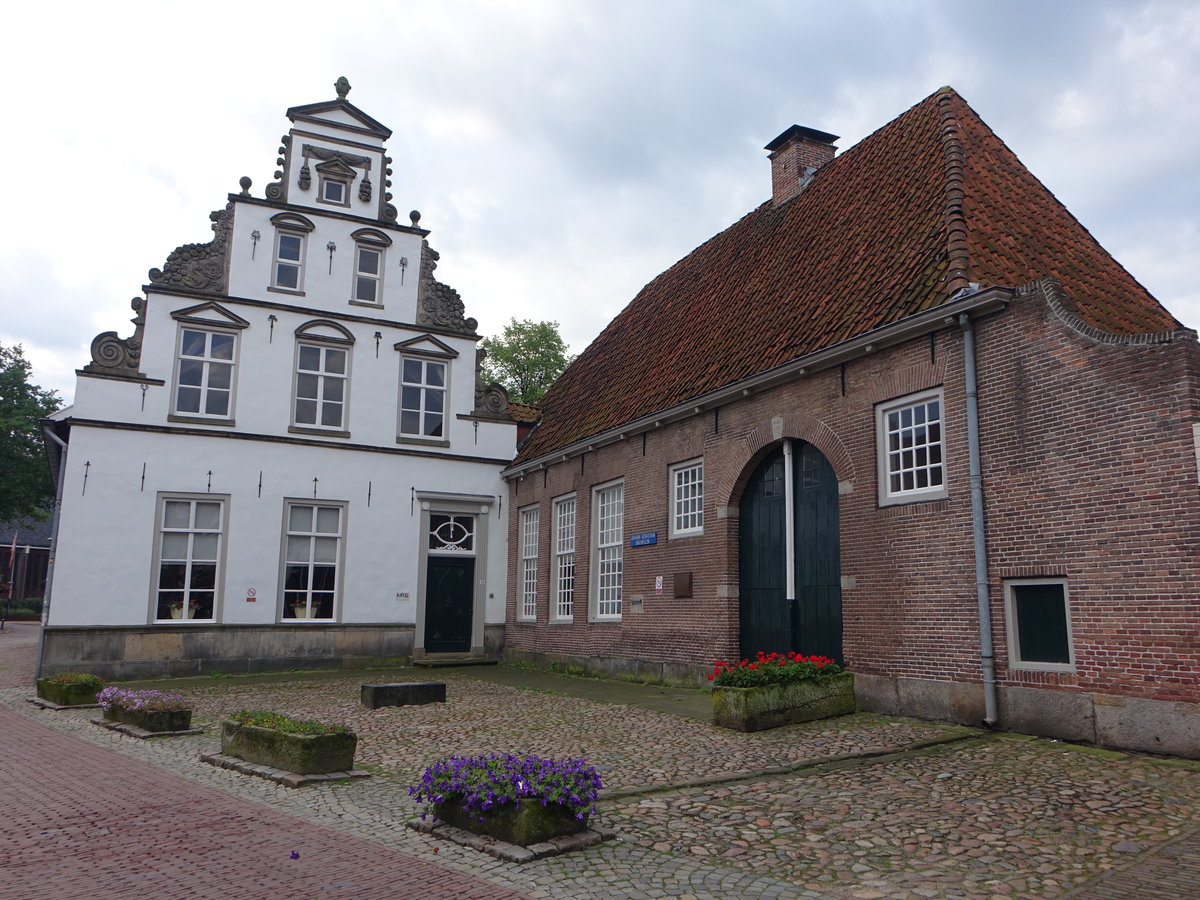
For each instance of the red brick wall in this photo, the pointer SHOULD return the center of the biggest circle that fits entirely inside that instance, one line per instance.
(1089, 472)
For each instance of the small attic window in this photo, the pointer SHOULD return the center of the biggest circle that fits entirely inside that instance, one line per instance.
(335, 190)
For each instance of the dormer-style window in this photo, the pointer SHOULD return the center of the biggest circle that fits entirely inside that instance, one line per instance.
(369, 248)
(287, 273)
(337, 178)
(334, 190)
(322, 378)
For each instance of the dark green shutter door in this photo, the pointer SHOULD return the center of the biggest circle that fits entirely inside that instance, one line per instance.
(818, 617)
(766, 621)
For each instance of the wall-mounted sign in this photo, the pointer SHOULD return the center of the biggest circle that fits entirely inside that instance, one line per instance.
(643, 539)
(658, 580)
(251, 595)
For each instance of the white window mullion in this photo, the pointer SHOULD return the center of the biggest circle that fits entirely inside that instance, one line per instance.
(529, 558)
(564, 558)
(610, 550)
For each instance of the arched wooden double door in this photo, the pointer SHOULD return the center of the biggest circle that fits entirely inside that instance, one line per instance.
(808, 621)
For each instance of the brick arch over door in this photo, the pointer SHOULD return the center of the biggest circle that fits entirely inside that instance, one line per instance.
(742, 458)
(805, 614)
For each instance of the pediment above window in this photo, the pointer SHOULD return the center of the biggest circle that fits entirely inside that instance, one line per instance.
(325, 330)
(213, 314)
(293, 221)
(426, 345)
(371, 236)
(335, 168)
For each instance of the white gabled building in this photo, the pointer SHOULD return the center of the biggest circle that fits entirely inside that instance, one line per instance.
(292, 461)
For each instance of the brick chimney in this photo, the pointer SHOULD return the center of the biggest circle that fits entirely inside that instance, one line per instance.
(795, 155)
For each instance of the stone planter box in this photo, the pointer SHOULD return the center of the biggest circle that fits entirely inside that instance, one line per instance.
(415, 693)
(301, 753)
(67, 694)
(769, 706)
(152, 719)
(524, 822)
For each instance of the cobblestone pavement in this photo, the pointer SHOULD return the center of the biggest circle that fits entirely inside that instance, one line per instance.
(974, 818)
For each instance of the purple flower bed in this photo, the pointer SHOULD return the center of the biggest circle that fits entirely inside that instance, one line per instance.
(148, 700)
(484, 784)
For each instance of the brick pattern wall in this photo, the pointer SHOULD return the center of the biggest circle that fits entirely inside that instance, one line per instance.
(1089, 472)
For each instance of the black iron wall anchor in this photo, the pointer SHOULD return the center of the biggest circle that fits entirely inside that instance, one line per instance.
(331, 246)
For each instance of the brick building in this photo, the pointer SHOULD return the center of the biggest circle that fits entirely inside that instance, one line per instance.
(907, 413)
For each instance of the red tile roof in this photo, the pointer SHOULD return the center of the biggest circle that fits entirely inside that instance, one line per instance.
(893, 226)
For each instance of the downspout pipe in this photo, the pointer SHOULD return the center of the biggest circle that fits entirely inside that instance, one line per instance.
(987, 654)
(48, 432)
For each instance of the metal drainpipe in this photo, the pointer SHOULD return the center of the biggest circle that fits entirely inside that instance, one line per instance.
(987, 655)
(58, 495)
(789, 532)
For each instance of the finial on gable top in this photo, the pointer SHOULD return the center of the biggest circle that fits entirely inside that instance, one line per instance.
(342, 86)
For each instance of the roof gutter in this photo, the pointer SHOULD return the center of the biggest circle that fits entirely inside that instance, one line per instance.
(978, 302)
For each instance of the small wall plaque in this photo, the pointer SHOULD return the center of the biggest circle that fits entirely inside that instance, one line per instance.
(643, 539)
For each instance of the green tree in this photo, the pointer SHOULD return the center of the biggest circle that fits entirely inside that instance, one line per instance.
(526, 358)
(25, 486)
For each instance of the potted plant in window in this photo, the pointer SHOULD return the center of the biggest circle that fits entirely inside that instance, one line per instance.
(521, 801)
(779, 689)
(70, 688)
(149, 710)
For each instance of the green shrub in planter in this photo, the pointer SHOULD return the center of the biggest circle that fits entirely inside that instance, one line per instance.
(272, 739)
(70, 688)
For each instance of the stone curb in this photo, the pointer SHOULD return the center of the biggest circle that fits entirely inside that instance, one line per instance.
(141, 733)
(513, 853)
(46, 704)
(812, 765)
(279, 776)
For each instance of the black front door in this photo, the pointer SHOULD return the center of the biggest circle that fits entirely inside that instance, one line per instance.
(449, 597)
(812, 623)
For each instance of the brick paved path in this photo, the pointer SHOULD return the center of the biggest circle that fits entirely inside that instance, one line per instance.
(77, 821)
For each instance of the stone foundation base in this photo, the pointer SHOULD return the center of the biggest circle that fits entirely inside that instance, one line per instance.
(1124, 723)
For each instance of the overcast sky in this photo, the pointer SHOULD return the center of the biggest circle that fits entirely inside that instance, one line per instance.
(562, 153)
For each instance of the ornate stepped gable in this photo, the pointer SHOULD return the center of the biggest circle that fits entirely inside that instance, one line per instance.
(200, 267)
(116, 356)
(928, 204)
(439, 305)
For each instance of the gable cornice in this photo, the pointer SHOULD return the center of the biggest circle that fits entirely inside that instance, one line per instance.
(954, 222)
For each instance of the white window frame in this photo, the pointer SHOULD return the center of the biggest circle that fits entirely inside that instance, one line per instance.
(529, 519)
(562, 599)
(325, 380)
(608, 551)
(278, 260)
(907, 451)
(325, 180)
(1012, 626)
(207, 362)
(426, 389)
(360, 277)
(687, 499)
(191, 532)
(289, 555)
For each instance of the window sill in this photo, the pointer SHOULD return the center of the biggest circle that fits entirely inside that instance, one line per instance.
(365, 303)
(904, 499)
(292, 291)
(681, 535)
(561, 622)
(1057, 668)
(606, 620)
(323, 432)
(185, 621)
(200, 420)
(307, 621)
(422, 443)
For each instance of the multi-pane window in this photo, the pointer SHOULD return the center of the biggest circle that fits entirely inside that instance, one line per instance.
(189, 553)
(311, 554)
(609, 541)
(912, 460)
(529, 558)
(1039, 624)
(687, 498)
(368, 274)
(289, 260)
(320, 386)
(422, 397)
(204, 378)
(564, 557)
